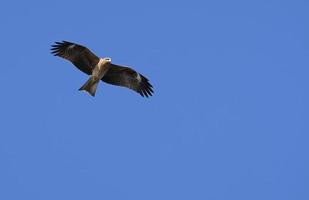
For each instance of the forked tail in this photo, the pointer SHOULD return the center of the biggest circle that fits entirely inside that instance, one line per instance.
(90, 86)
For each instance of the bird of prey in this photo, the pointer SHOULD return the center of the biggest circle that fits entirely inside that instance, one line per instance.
(101, 69)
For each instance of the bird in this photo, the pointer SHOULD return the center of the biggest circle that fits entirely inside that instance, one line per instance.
(101, 69)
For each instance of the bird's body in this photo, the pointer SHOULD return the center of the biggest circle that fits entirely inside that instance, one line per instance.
(98, 72)
(101, 69)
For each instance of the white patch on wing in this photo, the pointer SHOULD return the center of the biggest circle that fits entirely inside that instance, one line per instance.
(139, 78)
(71, 46)
(69, 49)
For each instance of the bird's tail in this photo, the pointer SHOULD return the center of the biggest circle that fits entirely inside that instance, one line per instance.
(90, 86)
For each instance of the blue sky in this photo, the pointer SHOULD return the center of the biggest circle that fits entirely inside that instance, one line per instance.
(229, 118)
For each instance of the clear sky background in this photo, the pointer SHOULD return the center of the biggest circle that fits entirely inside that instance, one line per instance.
(228, 120)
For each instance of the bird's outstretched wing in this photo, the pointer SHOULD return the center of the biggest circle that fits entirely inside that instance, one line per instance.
(79, 55)
(127, 77)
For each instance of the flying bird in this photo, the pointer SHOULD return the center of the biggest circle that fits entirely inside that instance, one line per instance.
(101, 69)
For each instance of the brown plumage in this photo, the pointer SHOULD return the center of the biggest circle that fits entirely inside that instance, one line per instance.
(101, 68)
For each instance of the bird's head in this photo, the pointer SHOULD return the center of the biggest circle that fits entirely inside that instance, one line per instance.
(107, 59)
